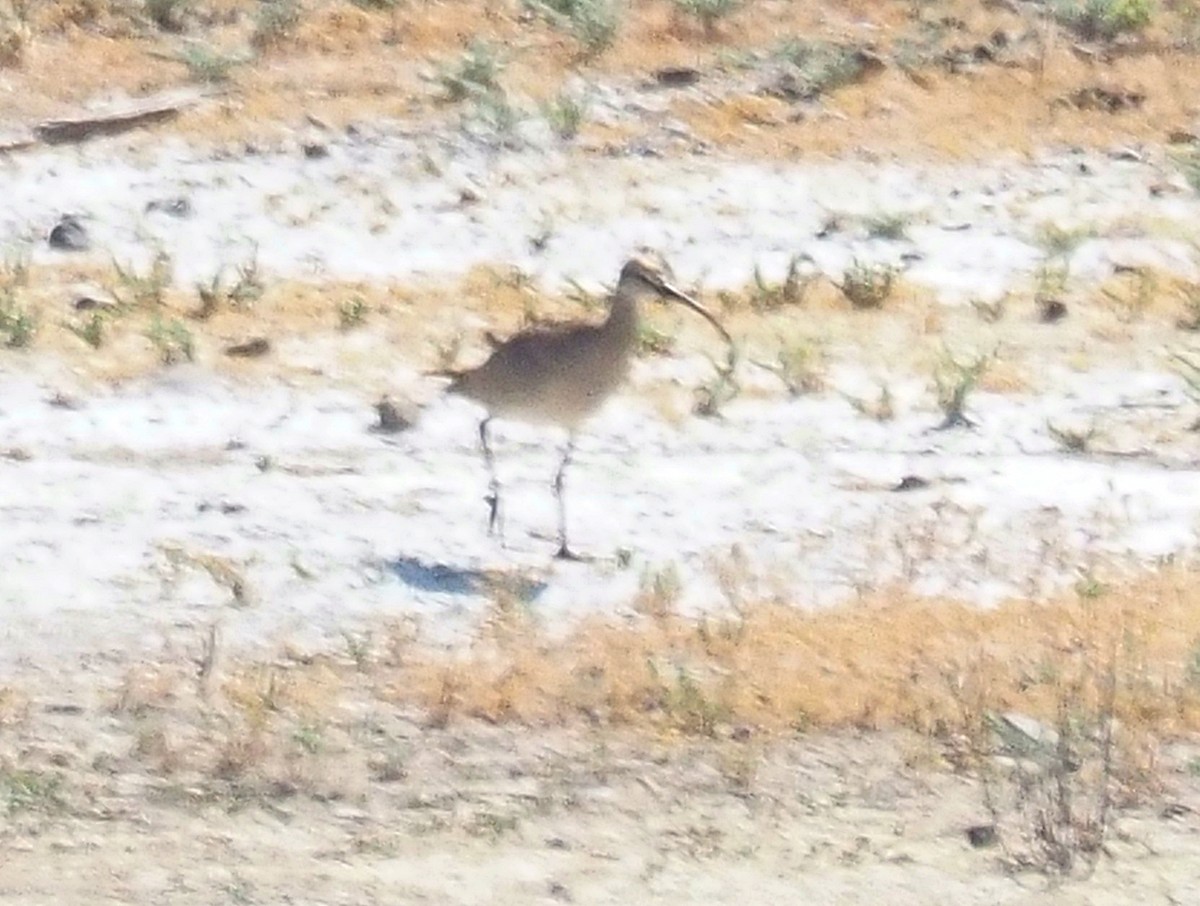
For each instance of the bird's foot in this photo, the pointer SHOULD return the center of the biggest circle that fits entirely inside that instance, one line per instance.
(565, 553)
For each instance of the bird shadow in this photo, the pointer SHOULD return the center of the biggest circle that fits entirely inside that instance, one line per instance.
(447, 579)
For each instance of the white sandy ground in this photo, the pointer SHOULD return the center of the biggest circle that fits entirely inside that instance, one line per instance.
(111, 510)
(344, 525)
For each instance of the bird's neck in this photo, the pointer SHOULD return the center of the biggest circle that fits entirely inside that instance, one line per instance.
(623, 315)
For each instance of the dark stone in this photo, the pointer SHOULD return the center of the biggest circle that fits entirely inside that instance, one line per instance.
(69, 235)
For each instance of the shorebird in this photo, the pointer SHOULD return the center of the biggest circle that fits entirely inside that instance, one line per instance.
(560, 374)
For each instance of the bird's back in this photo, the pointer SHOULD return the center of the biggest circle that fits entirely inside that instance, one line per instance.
(557, 375)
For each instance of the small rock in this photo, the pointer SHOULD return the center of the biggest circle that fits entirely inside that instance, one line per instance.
(63, 708)
(250, 349)
(90, 298)
(392, 418)
(62, 400)
(178, 206)
(1051, 311)
(69, 235)
(224, 507)
(16, 454)
(981, 835)
(911, 483)
(1176, 810)
(1129, 154)
(469, 194)
(676, 76)
(1182, 137)
(315, 150)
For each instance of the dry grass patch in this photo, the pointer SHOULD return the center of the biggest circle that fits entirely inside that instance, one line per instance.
(342, 60)
(893, 660)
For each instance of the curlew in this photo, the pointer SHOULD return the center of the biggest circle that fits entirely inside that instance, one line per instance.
(560, 374)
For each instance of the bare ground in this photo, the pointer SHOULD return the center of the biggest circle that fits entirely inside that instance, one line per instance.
(207, 698)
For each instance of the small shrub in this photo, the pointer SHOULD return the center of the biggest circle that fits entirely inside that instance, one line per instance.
(477, 72)
(711, 397)
(206, 64)
(887, 226)
(274, 22)
(173, 341)
(14, 40)
(90, 331)
(168, 15)
(652, 341)
(144, 289)
(593, 23)
(867, 286)
(27, 790)
(954, 381)
(497, 115)
(352, 312)
(565, 115)
(1103, 20)
(1188, 164)
(708, 12)
(792, 291)
(17, 325)
(821, 66)
(801, 368)
(881, 409)
(1072, 439)
(1061, 242)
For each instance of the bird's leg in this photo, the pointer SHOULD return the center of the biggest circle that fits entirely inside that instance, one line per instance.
(564, 551)
(495, 522)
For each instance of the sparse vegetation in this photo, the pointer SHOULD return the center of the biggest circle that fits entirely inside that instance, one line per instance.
(653, 341)
(793, 290)
(274, 22)
(1187, 162)
(1061, 242)
(246, 289)
(90, 330)
(712, 395)
(565, 115)
(800, 366)
(818, 67)
(593, 23)
(955, 380)
(352, 312)
(1073, 439)
(172, 340)
(881, 408)
(892, 227)
(708, 13)
(476, 73)
(867, 286)
(497, 115)
(1103, 20)
(169, 15)
(14, 39)
(1132, 294)
(17, 325)
(991, 311)
(148, 289)
(24, 790)
(207, 64)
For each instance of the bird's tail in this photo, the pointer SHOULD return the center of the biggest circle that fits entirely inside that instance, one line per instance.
(455, 377)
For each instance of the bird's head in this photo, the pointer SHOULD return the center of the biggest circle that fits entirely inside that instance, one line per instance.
(648, 274)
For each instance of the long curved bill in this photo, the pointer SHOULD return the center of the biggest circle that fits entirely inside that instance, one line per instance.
(686, 300)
